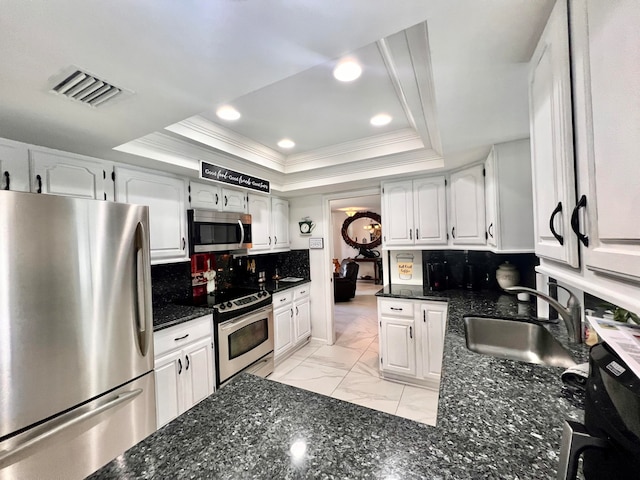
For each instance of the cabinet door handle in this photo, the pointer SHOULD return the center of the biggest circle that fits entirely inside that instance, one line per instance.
(283, 299)
(269, 240)
(217, 199)
(396, 309)
(181, 338)
(417, 236)
(575, 224)
(410, 332)
(556, 211)
(453, 232)
(39, 179)
(179, 366)
(184, 243)
(226, 200)
(410, 234)
(292, 313)
(188, 362)
(275, 240)
(296, 311)
(424, 316)
(8, 182)
(489, 230)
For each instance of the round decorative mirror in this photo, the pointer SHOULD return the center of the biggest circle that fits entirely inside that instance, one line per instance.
(363, 231)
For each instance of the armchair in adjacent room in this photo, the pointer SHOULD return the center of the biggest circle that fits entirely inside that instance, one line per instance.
(344, 285)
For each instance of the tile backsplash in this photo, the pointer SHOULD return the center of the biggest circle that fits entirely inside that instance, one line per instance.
(171, 283)
(484, 264)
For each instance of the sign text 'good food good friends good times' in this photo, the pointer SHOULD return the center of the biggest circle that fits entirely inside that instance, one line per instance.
(209, 171)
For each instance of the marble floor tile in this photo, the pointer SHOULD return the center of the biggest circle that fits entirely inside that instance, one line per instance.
(368, 364)
(336, 356)
(370, 392)
(284, 367)
(356, 338)
(419, 404)
(304, 352)
(316, 378)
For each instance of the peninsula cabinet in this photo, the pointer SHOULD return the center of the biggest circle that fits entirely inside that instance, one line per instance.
(183, 367)
(550, 118)
(165, 195)
(14, 166)
(467, 206)
(67, 174)
(508, 197)
(411, 335)
(414, 212)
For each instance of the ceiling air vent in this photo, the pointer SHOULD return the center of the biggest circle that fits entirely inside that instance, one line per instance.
(85, 88)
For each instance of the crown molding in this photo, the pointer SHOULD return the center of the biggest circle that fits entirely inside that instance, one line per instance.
(355, 151)
(167, 149)
(206, 132)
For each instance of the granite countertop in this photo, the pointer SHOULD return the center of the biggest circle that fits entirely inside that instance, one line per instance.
(170, 314)
(497, 419)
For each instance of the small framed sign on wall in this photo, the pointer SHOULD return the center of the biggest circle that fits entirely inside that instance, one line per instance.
(316, 243)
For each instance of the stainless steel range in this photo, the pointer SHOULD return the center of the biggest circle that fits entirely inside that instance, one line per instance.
(243, 332)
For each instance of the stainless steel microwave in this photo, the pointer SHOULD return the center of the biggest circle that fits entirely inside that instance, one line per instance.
(212, 231)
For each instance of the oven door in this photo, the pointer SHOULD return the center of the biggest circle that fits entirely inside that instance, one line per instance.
(243, 341)
(211, 231)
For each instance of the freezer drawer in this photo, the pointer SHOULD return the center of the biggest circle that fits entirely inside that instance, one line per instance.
(82, 440)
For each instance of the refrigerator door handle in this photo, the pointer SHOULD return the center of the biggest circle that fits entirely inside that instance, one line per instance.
(142, 289)
(23, 450)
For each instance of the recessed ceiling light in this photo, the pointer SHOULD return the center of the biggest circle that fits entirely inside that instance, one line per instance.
(227, 112)
(347, 70)
(380, 120)
(286, 143)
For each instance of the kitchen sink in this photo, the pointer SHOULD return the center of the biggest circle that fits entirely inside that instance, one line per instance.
(513, 339)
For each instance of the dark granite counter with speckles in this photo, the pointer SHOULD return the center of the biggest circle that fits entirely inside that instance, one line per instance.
(170, 314)
(497, 419)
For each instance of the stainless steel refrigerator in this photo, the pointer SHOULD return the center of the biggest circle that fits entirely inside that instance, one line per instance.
(76, 347)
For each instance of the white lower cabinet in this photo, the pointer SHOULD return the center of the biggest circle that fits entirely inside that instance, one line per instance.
(291, 320)
(183, 367)
(411, 336)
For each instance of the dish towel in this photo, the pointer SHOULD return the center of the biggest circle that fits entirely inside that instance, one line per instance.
(576, 377)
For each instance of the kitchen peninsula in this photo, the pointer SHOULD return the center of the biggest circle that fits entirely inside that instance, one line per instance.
(496, 419)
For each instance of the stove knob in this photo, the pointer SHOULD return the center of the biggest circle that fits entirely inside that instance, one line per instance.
(222, 307)
(229, 304)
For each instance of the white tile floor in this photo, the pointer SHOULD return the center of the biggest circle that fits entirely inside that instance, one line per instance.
(348, 370)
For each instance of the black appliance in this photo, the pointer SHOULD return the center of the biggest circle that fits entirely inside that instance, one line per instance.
(436, 276)
(470, 277)
(212, 231)
(609, 440)
(243, 332)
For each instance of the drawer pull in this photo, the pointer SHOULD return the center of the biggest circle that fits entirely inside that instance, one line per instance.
(181, 338)
(396, 309)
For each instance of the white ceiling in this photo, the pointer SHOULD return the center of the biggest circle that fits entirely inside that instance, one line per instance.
(454, 83)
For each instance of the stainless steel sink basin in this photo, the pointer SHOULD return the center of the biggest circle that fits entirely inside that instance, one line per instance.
(521, 340)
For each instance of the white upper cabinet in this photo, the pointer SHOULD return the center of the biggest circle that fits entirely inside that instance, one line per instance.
(467, 212)
(508, 197)
(165, 195)
(552, 141)
(269, 222)
(414, 212)
(205, 195)
(14, 166)
(234, 200)
(607, 42)
(259, 207)
(430, 211)
(280, 222)
(66, 174)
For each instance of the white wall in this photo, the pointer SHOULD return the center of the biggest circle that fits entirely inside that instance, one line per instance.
(311, 207)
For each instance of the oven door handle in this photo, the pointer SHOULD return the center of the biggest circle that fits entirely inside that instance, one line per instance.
(249, 318)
